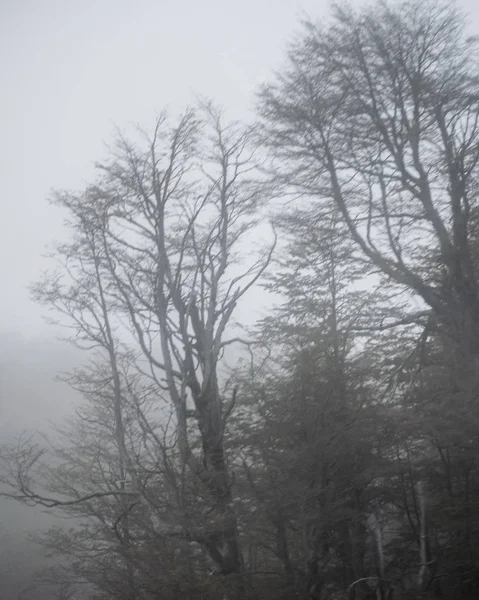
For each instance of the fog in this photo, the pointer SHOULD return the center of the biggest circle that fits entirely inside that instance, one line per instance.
(70, 73)
(31, 401)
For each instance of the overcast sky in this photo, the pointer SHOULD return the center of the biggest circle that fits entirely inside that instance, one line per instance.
(71, 69)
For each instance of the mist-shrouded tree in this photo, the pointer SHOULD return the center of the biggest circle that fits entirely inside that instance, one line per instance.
(189, 203)
(160, 258)
(375, 116)
(311, 462)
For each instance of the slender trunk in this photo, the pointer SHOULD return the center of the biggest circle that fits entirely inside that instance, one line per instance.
(422, 538)
(283, 552)
(230, 560)
(383, 589)
(120, 440)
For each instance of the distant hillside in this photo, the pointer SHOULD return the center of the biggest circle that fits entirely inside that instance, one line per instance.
(30, 399)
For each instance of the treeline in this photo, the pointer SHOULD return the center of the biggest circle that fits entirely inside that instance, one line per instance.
(331, 451)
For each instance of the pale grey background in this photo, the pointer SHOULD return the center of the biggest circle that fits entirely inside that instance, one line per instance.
(70, 70)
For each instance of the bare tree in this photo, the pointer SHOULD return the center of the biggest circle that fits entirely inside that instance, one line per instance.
(163, 253)
(189, 203)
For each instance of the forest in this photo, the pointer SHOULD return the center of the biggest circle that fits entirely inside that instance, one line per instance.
(330, 450)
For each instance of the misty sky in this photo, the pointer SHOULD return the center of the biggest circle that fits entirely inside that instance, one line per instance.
(71, 70)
